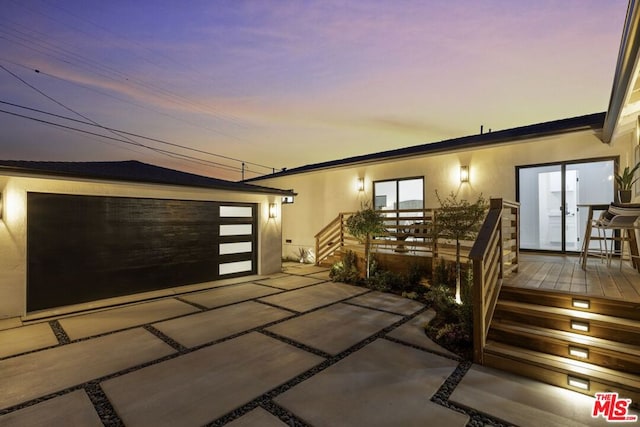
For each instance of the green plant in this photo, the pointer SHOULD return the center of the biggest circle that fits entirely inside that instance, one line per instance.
(626, 180)
(444, 273)
(345, 270)
(459, 220)
(385, 281)
(452, 327)
(363, 225)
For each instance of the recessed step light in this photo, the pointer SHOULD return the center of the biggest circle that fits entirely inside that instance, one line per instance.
(576, 382)
(580, 303)
(580, 352)
(580, 326)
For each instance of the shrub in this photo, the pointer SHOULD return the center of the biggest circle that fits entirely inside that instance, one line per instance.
(444, 273)
(346, 270)
(452, 327)
(385, 281)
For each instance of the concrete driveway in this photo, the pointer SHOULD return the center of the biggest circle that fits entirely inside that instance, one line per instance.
(289, 349)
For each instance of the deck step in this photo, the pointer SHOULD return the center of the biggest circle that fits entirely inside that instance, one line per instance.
(568, 300)
(602, 352)
(570, 320)
(561, 371)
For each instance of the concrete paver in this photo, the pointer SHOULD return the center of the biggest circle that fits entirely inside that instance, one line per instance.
(314, 296)
(229, 294)
(72, 409)
(37, 374)
(412, 332)
(201, 386)
(258, 417)
(522, 401)
(305, 269)
(201, 328)
(335, 328)
(26, 338)
(100, 322)
(388, 302)
(323, 275)
(383, 384)
(289, 282)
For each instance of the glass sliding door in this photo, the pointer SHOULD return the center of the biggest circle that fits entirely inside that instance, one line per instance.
(595, 185)
(540, 207)
(550, 195)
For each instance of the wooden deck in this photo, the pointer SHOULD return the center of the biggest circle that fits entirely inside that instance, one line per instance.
(563, 273)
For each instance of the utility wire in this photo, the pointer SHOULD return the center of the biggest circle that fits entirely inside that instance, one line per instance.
(159, 150)
(91, 123)
(92, 89)
(150, 87)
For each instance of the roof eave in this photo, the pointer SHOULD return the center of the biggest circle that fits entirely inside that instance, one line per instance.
(233, 186)
(625, 66)
(588, 122)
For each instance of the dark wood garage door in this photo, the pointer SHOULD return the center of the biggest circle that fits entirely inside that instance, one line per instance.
(84, 248)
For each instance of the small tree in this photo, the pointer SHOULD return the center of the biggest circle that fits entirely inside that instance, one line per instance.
(363, 225)
(459, 220)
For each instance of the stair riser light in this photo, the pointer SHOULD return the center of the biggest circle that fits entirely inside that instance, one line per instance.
(579, 326)
(582, 353)
(580, 383)
(581, 303)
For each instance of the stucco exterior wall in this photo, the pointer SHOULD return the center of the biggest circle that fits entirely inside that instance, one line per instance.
(13, 226)
(323, 194)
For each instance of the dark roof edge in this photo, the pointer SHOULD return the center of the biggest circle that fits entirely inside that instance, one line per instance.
(625, 65)
(228, 186)
(590, 121)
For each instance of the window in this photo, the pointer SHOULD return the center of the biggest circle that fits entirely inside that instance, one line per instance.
(406, 193)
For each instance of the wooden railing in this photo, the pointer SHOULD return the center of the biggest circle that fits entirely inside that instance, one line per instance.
(494, 256)
(406, 229)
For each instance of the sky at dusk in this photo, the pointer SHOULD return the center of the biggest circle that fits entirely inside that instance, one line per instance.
(278, 83)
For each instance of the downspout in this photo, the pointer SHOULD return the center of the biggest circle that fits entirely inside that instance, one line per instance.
(625, 66)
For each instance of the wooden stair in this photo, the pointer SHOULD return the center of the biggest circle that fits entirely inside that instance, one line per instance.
(582, 343)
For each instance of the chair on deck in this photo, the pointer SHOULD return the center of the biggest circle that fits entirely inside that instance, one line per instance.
(620, 218)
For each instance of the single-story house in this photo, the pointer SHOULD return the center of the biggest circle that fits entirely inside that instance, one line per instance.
(79, 235)
(550, 168)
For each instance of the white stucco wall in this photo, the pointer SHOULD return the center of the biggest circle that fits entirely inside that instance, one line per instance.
(323, 194)
(13, 226)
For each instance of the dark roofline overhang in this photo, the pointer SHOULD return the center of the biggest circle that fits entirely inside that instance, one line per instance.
(626, 64)
(231, 186)
(587, 122)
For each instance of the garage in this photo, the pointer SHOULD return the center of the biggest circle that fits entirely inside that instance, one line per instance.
(76, 235)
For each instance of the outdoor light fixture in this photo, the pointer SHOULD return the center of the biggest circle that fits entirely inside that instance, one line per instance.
(287, 200)
(273, 210)
(580, 303)
(360, 184)
(580, 352)
(464, 173)
(580, 326)
(578, 382)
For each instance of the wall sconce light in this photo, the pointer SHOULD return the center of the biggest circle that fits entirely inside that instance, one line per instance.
(360, 184)
(464, 173)
(273, 210)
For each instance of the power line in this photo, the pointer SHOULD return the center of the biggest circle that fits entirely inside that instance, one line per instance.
(159, 150)
(92, 89)
(123, 78)
(91, 123)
